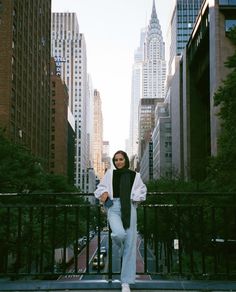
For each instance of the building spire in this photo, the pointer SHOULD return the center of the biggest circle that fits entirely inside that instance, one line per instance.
(154, 13)
(154, 25)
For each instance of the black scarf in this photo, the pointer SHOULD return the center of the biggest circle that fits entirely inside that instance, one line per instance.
(127, 177)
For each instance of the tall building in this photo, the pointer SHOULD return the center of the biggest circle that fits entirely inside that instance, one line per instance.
(98, 136)
(146, 163)
(106, 159)
(25, 74)
(69, 51)
(59, 124)
(203, 69)
(161, 138)
(71, 148)
(89, 120)
(199, 72)
(181, 26)
(153, 89)
(136, 94)
(154, 66)
(146, 121)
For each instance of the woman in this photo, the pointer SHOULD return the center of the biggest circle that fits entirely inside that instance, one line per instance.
(125, 189)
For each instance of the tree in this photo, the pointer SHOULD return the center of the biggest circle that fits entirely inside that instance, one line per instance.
(19, 170)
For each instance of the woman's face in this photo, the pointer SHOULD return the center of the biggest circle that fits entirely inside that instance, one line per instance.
(119, 161)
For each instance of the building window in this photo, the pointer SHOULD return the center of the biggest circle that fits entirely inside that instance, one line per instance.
(227, 2)
(229, 24)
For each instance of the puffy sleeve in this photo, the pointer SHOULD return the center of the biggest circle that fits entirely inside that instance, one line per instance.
(139, 190)
(104, 185)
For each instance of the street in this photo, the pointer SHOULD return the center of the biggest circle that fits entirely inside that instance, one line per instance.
(116, 262)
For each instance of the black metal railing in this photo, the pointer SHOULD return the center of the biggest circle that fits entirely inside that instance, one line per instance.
(180, 235)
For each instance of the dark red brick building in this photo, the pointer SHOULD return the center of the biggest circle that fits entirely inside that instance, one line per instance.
(25, 74)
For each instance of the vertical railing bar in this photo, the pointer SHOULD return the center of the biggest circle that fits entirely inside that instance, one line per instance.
(179, 239)
(109, 256)
(42, 216)
(64, 239)
(18, 242)
(168, 245)
(87, 235)
(213, 224)
(226, 237)
(7, 239)
(178, 198)
(99, 234)
(31, 238)
(145, 237)
(201, 220)
(156, 241)
(53, 246)
(190, 238)
(76, 239)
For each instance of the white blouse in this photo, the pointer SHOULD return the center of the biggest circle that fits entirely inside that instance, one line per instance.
(138, 191)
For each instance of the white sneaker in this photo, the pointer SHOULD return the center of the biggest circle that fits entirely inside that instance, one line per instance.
(125, 287)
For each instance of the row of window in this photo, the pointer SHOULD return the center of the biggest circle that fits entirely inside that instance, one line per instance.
(229, 23)
(227, 2)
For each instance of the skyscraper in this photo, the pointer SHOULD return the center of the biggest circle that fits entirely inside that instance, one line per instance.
(181, 26)
(25, 74)
(154, 66)
(98, 136)
(59, 124)
(69, 51)
(153, 83)
(136, 94)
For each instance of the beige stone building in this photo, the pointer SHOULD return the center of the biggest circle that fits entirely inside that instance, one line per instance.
(98, 136)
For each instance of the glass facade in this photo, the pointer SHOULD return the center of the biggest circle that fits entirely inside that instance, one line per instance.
(182, 22)
(227, 2)
(230, 23)
(187, 11)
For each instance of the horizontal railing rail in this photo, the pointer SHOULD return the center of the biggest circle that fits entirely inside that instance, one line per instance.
(180, 235)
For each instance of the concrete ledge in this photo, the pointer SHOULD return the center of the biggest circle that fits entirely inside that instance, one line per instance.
(100, 285)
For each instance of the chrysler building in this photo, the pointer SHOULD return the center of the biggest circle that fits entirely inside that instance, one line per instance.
(154, 67)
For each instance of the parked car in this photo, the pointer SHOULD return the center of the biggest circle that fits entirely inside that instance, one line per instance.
(103, 250)
(101, 263)
(105, 229)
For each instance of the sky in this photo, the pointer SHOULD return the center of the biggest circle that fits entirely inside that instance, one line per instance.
(112, 34)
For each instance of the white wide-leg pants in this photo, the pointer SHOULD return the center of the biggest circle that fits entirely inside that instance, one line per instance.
(124, 239)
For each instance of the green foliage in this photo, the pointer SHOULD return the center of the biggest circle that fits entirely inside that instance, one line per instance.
(172, 185)
(58, 183)
(178, 185)
(20, 171)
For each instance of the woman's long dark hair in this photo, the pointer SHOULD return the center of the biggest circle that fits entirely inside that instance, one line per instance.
(125, 157)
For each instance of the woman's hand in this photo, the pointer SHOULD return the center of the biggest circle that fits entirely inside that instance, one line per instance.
(103, 197)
